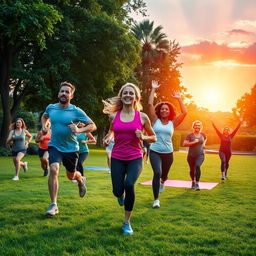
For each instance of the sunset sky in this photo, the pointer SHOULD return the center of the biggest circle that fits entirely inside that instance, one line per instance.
(218, 46)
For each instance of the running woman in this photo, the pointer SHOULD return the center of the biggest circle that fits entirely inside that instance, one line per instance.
(196, 142)
(43, 140)
(84, 139)
(63, 145)
(164, 120)
(17, 135)
(126, 125)
(225, 147)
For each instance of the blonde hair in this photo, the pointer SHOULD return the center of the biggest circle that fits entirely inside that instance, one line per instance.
(115, 104)
(197, 121)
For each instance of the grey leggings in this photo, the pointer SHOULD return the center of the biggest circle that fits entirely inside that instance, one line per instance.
(161, 164)
(124, 175)
(194, 165)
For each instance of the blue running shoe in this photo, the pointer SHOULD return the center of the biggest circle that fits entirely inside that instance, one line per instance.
(127, 229)
(121, 200)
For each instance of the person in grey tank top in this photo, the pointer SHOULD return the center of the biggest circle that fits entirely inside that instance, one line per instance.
(164, 120)
(17, 135)
(196, 142)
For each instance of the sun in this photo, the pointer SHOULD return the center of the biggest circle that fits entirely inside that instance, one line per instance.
(211, 96)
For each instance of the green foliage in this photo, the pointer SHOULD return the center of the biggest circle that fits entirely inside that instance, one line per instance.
(5, 151)
(189, 223)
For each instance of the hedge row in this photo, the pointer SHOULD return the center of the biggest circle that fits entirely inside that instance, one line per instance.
(239, 142)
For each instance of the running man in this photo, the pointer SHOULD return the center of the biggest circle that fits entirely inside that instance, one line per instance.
(63, 145)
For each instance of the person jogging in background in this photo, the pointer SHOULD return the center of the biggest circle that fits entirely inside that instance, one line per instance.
(43, 139)
(17, 135)
(225, 147)
(164, 120)
(63, 145)
(126, 125)
(83, 139)
(196, 142)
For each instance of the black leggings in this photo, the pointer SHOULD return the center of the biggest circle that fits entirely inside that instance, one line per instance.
(161, 164)
(224, 157)
(194, 165)
(82, 157)
(124, 175)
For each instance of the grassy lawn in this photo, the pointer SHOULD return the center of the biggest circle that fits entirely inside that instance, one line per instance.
(221, 221)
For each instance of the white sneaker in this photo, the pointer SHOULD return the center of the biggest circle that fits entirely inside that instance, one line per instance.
(156, 204)
(25, 166)
(161, 188)
(74, 181)
(52, 210)
(15, 178)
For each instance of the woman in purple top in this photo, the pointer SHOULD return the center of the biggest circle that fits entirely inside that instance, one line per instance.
(126, 124)
(225, 147)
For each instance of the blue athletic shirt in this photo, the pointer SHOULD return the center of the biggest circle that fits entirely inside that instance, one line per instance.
(63, 139)
(164, 134)
(83, 148)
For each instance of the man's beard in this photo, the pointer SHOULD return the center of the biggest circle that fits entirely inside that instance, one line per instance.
(63, 101)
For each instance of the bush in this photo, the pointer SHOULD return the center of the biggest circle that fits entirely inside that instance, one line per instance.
(32, 149)
(244, 143)
(5, 151)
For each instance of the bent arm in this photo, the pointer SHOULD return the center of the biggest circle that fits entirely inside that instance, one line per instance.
(91, 138)
(9, 138)
(177, 120)
(151, 136)
(44, 121)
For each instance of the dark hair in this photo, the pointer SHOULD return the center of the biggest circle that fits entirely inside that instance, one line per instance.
(171, 109)
(72, 87)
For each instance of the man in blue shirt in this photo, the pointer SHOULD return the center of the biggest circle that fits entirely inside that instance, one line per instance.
(63, 146)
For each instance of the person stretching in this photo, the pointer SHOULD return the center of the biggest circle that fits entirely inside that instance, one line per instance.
(225, 147)
(164, 120)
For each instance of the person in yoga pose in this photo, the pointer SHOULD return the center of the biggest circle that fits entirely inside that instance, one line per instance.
(225, 147)
(126, 125)
(164, 120)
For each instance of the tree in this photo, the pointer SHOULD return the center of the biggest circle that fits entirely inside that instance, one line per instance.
(246, 106)
(158, 61)
(23, 24)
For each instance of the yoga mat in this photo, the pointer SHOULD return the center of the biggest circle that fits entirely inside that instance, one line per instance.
(96, 168)
(184, 184)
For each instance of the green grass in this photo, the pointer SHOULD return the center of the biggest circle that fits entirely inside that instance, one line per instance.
(221, 221)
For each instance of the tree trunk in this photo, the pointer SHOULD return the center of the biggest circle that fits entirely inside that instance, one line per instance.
(5, 64)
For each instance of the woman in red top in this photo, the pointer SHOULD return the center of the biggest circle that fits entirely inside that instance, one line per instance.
(43, 140)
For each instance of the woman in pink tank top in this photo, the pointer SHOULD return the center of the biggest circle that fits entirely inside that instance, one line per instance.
(126, 125)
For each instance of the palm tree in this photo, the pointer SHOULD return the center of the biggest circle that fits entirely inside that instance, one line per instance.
(154, 44)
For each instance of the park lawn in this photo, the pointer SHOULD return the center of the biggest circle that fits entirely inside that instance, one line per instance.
(221, 221)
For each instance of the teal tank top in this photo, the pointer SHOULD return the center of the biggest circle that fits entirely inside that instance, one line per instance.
(164, 134)
(18, 141)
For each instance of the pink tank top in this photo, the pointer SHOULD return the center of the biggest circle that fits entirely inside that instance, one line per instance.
(127, 145)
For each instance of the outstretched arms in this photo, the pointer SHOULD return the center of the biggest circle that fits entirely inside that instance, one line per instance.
(216, 129)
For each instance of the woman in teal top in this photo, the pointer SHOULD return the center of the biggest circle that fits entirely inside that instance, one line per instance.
(17, 135)
(164, 120)
(84, 139)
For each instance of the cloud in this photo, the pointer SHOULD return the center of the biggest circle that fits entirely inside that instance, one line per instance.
(207, 52)
(240, 32)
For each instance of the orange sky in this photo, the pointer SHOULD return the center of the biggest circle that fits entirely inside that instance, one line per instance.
(218, 46)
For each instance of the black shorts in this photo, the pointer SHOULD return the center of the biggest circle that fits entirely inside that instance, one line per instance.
(15, 153)
(69, 159)
(41, 152)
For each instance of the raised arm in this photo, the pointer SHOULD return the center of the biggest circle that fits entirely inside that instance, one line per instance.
(236, 129)
(151, 108)
(216, 129)
(178, 119)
